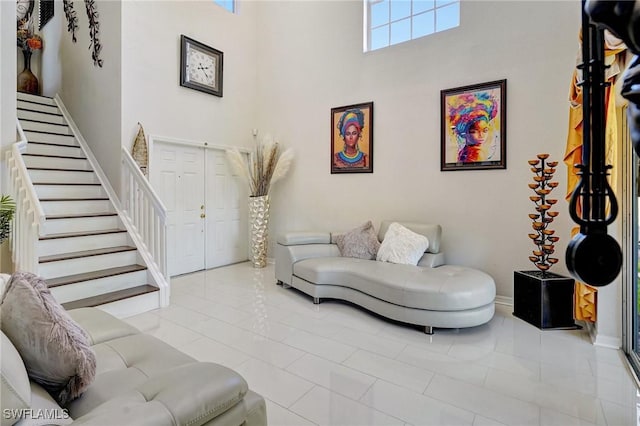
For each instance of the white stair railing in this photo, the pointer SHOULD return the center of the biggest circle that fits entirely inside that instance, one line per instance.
(29, 216)
(145, 211)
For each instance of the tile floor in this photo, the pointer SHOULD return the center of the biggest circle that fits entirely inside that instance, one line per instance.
(335, 364)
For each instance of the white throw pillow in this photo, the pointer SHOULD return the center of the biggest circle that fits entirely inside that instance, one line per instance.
(400, 245)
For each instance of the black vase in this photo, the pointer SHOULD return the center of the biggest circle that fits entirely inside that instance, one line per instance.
(27, 82)
(544, 299)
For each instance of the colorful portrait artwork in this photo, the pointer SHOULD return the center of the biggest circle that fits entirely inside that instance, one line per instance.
(473, 127)
(352, 139)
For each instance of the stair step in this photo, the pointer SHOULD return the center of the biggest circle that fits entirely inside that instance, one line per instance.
(80, 215)
(57, 169)
(110, 297)
(63, 177)
(94, 275)
(85, 253)
(34, 106)
(52, 138)
(66, 183)
(45, 100)
(49, 149)
(81, 234)
(77, 206)
(74, 199)
(62, 191)
(53, 156)
(56, 129)
(40, 116)
(61, 224)
(56, 163)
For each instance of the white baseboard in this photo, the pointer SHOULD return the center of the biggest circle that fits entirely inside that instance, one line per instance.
(603, 340)
(504, 300)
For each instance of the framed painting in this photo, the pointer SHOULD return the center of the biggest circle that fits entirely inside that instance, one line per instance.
(474, 127)
(352, 138)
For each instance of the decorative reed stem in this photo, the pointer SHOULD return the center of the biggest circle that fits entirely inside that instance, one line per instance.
(543, 237)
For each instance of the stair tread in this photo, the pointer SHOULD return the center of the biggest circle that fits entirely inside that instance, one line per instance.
(54, 156)
(85, 253)
(40, 112)
(79, 215)
(67, 183)
(43, 122)
(58, 169)
(76, 199)
(94, 275)
(81, 234)
(114, 296)
(47, 133)
(55, 144)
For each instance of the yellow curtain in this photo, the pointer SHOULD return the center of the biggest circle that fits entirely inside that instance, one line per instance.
(615, 56)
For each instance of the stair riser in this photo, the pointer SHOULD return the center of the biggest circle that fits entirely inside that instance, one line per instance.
(84, 289)
(53, 208)
(48, 138)
(83, 224)
(41, 116)
(82, 265)
(34, 98)
(68, 151)
(69, 191)
(62, 176)
(56, 163)
(38, 107)
(87, 242)
(133, 305)
(43, 127)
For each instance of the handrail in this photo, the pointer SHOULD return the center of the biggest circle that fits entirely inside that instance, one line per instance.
(18, 148)
(144, 183)
(146, 213)
(29, 216)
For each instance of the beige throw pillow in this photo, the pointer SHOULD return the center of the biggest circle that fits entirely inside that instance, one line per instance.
(360, 242)
(55, 349)
(401, 245)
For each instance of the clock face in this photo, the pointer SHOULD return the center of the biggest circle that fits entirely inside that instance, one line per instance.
(201, 67)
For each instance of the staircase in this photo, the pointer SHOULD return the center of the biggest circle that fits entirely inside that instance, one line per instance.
(84, 251)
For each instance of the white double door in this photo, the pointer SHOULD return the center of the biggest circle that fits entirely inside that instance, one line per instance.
(206, 207)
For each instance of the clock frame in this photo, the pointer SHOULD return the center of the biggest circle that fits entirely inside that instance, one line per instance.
(213, 58)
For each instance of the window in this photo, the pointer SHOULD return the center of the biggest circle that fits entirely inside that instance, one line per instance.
(390, 22)
(230, 5)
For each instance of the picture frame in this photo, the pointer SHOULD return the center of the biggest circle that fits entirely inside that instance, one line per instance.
(201, 66)
(352, 138)
(474, 127)
(46, 12)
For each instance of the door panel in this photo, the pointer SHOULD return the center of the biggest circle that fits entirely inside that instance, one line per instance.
(226, 229)
(178, 178)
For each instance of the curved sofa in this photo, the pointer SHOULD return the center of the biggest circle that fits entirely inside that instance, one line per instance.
(430, 294)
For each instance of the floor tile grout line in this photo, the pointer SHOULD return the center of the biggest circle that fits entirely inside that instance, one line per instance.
(292, 412)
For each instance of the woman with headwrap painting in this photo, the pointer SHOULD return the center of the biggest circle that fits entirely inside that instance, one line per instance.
(470, 115)
(350, 127)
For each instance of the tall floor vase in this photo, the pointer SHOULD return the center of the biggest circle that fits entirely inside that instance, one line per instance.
(27, 81)
(259, 229)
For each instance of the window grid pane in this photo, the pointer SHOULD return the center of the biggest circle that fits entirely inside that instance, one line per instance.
(395, 21)
(230, 5)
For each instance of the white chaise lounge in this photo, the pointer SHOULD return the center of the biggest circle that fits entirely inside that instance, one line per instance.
(430, 294)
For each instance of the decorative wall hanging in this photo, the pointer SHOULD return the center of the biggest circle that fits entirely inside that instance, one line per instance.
(474, 127)
(46, 12)
(200, 66)
(352, 139)
(72, 18)
(94, 31)
(140, 152)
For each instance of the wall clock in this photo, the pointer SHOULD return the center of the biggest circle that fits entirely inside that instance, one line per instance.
(200, 66)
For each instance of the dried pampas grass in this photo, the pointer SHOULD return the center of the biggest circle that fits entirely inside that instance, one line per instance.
(263, 167)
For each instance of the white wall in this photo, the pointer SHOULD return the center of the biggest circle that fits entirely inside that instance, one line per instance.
(151, 91)
(310, 60)
(92, 94)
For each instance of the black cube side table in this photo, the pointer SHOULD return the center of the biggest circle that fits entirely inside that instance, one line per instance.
(544, 300)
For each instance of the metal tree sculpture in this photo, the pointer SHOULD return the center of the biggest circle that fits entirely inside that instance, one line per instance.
(543, 238)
